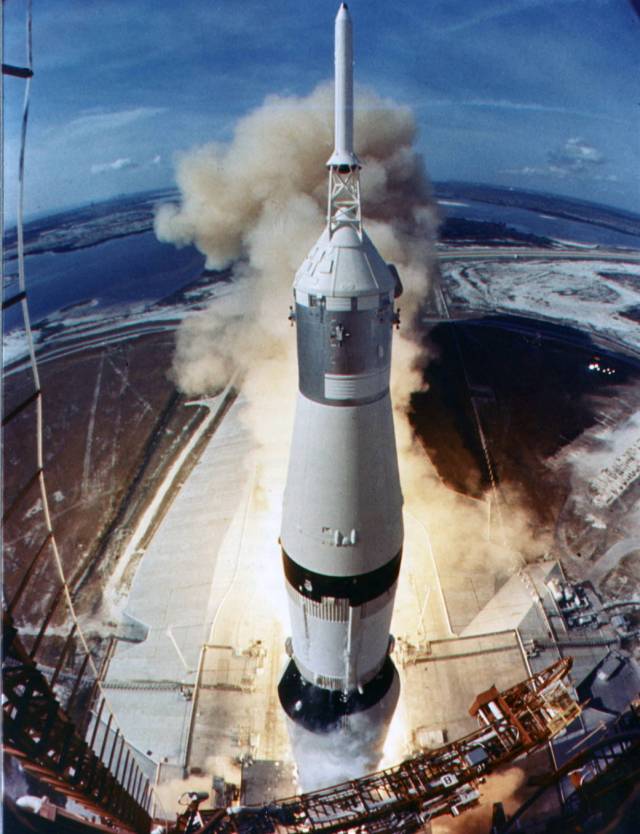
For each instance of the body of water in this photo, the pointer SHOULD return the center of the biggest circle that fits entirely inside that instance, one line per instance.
(125, 270)
(538, 223)
(138, 268)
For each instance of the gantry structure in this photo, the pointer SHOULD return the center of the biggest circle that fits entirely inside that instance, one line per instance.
(439, 781)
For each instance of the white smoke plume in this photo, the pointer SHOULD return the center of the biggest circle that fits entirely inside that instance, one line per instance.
(343, 754)
(258, 204)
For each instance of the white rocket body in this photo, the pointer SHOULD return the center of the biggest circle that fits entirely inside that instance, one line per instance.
(342, 517)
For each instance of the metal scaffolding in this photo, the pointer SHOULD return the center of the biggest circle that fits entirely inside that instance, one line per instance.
(56, 722)
(604, 777)
(39, 732)
(441, 781)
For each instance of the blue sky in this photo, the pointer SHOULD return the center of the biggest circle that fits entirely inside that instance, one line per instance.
(540, 94)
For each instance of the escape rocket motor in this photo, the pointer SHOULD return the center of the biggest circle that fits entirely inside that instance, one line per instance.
(342, 528)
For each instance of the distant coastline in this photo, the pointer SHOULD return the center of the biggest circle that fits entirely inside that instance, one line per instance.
(90, 225)
(554, 205)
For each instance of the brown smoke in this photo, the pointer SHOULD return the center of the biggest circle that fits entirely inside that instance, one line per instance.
(503, 786)
(259, 203)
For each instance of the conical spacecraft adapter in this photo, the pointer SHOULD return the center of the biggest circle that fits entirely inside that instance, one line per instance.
(342, 516)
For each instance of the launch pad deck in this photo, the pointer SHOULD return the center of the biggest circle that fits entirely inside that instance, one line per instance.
(226, 714)
(440, 679)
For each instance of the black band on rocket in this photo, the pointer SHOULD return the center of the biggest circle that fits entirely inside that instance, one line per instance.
(357, 589)
(321, 710)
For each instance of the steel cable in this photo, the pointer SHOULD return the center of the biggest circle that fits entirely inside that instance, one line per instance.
(38, 392)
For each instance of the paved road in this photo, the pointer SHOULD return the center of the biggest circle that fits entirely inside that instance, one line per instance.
(173, 595)
(149, 517)
(612, 557)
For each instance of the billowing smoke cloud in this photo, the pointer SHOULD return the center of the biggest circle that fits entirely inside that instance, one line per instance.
(343, 754)
(259, 204)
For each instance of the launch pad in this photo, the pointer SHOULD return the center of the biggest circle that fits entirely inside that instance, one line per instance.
(226, 701)
(456, 635)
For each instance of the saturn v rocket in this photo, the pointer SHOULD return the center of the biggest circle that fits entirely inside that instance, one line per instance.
(342, 528)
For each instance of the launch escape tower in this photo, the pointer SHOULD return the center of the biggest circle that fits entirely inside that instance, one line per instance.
(342, 516)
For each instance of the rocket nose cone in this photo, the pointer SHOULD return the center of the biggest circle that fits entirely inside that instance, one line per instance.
(343, 12)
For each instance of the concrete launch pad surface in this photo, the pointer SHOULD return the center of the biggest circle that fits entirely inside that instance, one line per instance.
(237, 713)
(440, 680)
(200, 694)
(264, 781)
(176, 595)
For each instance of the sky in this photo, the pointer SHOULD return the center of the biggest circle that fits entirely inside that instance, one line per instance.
(530, 94)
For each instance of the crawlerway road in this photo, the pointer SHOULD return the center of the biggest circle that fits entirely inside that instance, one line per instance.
(612, 557)
(524, 253)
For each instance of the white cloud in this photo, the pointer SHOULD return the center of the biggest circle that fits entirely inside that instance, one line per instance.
(576, 158)
(124, 162)
(509, 104)
(91, 124)
(503, 8)
(116, 165)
